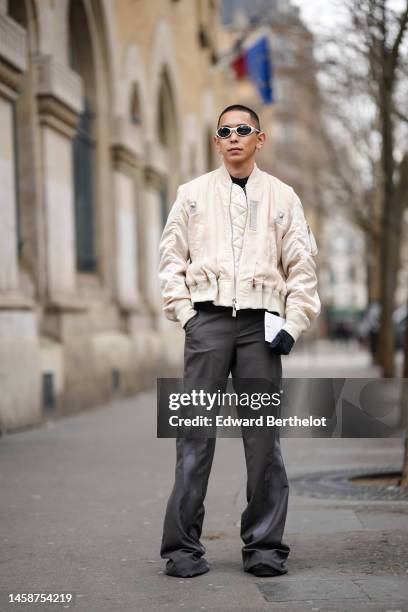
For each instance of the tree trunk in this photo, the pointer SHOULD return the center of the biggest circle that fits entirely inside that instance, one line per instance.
(404, 410)
(373, 268)
(403, 197)
(390, 242)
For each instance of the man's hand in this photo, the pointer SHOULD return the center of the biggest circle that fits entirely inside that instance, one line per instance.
(282, 344)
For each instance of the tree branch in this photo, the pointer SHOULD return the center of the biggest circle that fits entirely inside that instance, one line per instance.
(398, 39)
(400, 115)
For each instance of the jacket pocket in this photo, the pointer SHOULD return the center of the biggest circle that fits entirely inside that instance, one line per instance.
(190, 322)
(194, 227)
(266, 253)
(272, 248)
(253, 215)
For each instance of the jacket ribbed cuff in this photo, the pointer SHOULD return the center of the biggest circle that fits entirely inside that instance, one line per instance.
(295, 324)
(185, 312)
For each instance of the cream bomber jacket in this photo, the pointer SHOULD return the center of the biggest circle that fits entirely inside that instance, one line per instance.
(277, 269)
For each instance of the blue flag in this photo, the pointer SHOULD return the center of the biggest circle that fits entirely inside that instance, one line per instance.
(259, 67)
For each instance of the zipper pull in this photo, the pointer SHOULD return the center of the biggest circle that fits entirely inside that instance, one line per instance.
(235, 307)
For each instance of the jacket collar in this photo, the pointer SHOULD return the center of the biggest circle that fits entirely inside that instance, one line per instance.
(253, 186)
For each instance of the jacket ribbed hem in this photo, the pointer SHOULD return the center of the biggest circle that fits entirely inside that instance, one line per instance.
(220, 292)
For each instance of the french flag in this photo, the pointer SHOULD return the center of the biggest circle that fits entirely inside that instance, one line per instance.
(255, 62)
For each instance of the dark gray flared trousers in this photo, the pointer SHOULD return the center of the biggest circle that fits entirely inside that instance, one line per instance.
(217, 344)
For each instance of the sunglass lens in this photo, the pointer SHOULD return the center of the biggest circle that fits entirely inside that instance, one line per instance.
(243, 130)
(223, 132)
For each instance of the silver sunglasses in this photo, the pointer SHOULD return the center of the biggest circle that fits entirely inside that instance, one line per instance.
(243, 129)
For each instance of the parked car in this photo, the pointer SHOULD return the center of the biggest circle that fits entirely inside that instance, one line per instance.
(400, 324)
(369, 326)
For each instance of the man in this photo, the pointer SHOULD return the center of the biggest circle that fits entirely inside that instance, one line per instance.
(236, 244)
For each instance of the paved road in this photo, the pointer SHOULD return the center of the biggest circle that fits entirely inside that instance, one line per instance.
(82, 502)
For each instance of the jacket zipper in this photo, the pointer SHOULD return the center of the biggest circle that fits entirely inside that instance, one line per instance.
(235, 305)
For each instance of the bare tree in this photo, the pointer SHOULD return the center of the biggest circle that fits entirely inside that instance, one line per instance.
(378, 42)
(365, 68)
(385, 32)
(403, 195)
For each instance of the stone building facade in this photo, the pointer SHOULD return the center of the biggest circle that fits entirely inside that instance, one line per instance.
(105, 107)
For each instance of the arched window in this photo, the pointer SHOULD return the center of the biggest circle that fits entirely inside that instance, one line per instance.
(166, 114)
(161, 120)
(22, 12)
(167, 133)
(83, 153)
(135, 111)
(17, 11)
(17, 181)
(84, 144)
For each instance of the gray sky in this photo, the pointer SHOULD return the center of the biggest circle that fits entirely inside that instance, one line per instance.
(319, 15)
(322, 14)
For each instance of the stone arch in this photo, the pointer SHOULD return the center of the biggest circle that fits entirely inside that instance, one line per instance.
(134, 83)
(168, 138)
(163, 70)
(105, 19)
(82, 50)
(135, 106)
(53, 37)
(96, 25)
(88, 56)
(26, 15)
(165, 130)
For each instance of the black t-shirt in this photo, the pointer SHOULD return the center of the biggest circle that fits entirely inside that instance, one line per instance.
(240, 181)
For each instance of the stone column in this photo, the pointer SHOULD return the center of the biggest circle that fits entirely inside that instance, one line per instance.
(155, 210)
(13, 62)
(19, 351)
(59, 102)
(126, 158)
(127, 152)
(153, 227)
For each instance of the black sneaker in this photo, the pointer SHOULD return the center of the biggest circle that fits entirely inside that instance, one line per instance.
(200, 567)
(262, 570)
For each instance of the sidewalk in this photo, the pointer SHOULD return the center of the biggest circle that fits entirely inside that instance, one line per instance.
(322, 358)
(82, 504)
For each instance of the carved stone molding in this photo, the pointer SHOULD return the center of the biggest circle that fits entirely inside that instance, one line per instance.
(127, 136)
(55, 114)
(153, 178)
(16, 301)
(59, 91)
(66, 303)
(156, 166)
(13, 44)
(13, 57)
(57, 80)
(10, 80)
(124, 160)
